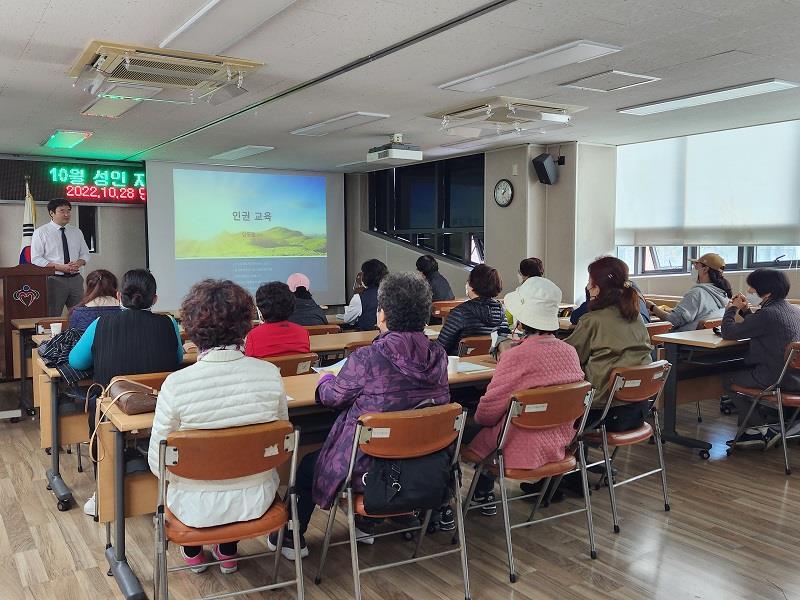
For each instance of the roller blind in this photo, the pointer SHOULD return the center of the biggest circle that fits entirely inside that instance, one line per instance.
(740, 186)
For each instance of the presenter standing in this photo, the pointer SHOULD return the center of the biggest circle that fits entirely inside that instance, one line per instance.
(61, 246)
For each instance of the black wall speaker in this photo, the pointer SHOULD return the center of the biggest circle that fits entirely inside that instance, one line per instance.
(546, 169)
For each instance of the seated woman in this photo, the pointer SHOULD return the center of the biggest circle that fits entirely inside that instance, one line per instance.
(429, 268)
(277, 335)
(539, 359)
(306, 311)
(771, 328)
(581, 310)
(100, 299)
(479, 315)
(398, 371)
(611, 335)
(530, 267)
(706, 300)
(361, 310)
(224, 388)
(128, 342)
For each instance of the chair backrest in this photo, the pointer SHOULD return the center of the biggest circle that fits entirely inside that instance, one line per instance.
(546, 407)
(475, 345)
(153, 380)
(448, 305)
(657, 328)
(353, 346)
(294, 364)
(217, 454)
(634, 384)
(709, 323)
(322, 329)
(409, 433)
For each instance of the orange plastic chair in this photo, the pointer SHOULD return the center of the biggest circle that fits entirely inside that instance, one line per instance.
(322, 329)
(474, 345)
(353, 346)
(217, 455)
(294, 364)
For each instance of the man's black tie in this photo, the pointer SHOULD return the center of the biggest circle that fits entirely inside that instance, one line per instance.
(65, 246)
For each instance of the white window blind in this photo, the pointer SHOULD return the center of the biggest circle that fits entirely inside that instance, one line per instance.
(736, 187)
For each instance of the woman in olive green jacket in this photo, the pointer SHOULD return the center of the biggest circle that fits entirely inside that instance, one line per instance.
(611, 335)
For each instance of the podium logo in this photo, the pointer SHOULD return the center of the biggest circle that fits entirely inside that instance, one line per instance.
(26, 295)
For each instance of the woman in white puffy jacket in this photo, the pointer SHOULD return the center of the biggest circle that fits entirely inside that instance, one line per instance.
(224, 388)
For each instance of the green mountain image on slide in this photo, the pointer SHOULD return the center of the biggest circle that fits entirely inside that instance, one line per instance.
(277, 241)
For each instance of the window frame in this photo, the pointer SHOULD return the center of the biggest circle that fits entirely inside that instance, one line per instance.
(739, 265)
(641, 260)
(781, 264)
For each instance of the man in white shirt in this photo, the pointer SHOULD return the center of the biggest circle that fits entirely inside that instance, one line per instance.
(62, 247)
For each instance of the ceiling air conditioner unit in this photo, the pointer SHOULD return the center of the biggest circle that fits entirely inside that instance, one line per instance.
(395, 153)
(202, 74)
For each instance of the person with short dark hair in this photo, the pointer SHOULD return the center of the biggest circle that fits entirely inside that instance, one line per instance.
(429, 268)
(399, 370)
(100, 299)
(770, 329)
(364, 304)
(530, 267)
(480, 314)
(224, 388)
(706, 300)
(131, 341)
(277, 335)
(62, 247)
(306, 310)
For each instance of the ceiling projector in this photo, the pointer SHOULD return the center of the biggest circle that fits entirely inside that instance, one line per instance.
(395, 152)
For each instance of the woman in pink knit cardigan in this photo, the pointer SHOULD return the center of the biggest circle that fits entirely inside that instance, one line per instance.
(539, 359)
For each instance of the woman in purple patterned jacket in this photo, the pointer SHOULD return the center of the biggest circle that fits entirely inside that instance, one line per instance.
(399, 371)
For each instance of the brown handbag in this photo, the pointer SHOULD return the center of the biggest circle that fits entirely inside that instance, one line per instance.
(131, 397)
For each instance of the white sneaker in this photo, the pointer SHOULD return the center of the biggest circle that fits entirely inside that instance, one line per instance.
(363, 537)
(90, 507)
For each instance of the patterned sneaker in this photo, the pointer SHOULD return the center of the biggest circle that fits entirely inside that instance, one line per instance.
(288, 545)
(197, 563)
(229, 564)
(486, 511)
(447, 520)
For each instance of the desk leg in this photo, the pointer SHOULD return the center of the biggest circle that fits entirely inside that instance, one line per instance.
(115, 555)
(54, 481)
(16, 414)
(669, 433)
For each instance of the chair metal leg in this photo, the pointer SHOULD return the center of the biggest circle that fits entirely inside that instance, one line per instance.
(276, 560)
(422, 531)
(327, 541)
(351, 529)
(539, 498)
(778, 397)
(553, 489)
(512, 574)
(78, 452)
(699, 416)
(298, 560)
(462, 539)
(587, 502)
(661, 463)
(472, 485)
(610, 476)
(745, 421)
(156, 571)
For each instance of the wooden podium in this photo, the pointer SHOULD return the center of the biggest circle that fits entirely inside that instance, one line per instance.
(23, 295)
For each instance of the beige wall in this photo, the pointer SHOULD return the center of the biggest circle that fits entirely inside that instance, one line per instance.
(559, 265)
(121, 235)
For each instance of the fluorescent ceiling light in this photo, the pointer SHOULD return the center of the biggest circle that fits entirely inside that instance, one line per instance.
(492, 139)
(353, 119)
(64, 139)
(222, 23)
(568, 54)
(720, 95)
(118, 99)
(610, 81)
(242, 152)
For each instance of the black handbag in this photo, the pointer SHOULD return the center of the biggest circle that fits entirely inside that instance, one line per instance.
(403, 486)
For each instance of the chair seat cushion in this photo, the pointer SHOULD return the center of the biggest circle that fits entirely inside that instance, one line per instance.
(550, 469)
(180, 533)
(787, 398)
(622, 438)
(358, 507)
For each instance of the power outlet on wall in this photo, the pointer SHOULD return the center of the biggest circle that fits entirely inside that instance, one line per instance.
(515, 169)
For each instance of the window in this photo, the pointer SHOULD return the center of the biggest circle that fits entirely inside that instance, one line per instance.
(87, 223)
(436, 206)
(664, 259)
(775, 256)
(627, 254)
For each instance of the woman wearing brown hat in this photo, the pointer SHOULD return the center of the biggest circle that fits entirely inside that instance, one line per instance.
(706, 300)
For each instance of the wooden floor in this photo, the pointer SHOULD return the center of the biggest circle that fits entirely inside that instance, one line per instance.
(732, 533)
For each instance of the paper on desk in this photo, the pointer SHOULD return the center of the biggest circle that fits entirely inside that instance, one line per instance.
(466, 367)
(332, 369)
(430, 332)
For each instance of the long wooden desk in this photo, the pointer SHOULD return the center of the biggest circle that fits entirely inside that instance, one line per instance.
(120, 496)
(673, 343)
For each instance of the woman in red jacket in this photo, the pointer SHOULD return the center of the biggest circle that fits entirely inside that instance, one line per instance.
(539, 359)
(277, 335)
